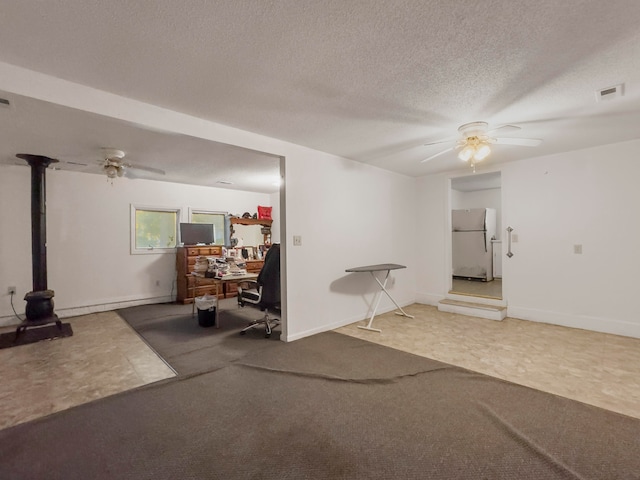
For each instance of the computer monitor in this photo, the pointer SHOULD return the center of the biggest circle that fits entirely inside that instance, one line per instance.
(196, 233)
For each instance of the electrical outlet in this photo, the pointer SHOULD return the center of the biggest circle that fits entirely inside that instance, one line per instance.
(11, 291)
(297, 240)
(157, 283)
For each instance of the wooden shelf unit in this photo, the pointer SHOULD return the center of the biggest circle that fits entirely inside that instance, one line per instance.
(251, 221)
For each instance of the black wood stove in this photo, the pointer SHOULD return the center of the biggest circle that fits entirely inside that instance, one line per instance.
(39, 308)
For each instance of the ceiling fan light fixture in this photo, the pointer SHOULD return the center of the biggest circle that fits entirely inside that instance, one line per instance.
(475, 142)
(482, 152)
(112, 171)
(466, 153)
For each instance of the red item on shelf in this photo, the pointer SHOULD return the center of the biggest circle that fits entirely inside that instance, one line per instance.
(264, 213)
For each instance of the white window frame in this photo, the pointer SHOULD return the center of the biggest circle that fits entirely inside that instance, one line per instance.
(191, 211)
(152, 250)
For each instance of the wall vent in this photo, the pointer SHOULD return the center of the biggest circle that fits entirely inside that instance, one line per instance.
(609, 93)
(4, 103)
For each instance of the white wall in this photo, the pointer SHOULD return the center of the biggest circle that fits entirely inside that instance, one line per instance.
(275, 215)
(586, 197)
(88, 238)
(347, 213)
(433, 277)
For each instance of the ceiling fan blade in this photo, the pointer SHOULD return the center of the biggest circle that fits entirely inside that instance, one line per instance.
(79, 164)
(146, 169)
(525, 142)
(503, 129)
(437, 155)
(438, 142)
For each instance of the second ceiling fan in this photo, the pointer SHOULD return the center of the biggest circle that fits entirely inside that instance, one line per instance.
(475, 140)
(114, 166)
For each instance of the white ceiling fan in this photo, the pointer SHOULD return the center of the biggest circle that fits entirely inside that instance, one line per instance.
(114, 166)
(475, 141)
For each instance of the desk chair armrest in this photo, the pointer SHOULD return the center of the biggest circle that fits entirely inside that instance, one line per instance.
(249, 284)
(252, 294)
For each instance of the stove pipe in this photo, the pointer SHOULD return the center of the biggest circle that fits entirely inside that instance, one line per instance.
(39, 301)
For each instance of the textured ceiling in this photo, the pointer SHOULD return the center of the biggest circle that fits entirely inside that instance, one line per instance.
(368, 80)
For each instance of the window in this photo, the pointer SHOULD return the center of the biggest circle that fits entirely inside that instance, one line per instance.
(153, 230)
(215, 218)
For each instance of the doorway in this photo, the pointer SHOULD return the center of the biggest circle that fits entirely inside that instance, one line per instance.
(476, 235)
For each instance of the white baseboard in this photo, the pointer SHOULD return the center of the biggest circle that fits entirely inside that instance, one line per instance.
(88, 309)
(429, 298)
(596, 324)
(342, 323)
(584, 322)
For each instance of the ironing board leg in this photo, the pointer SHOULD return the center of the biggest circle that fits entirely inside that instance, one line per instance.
(383, 288)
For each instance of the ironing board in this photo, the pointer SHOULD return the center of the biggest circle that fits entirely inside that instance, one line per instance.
(372, 269)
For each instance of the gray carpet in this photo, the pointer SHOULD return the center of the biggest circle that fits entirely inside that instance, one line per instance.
(325, 407)
(175, 334)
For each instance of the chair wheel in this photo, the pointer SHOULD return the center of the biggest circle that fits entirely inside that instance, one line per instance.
(242, 332)
(267, 335)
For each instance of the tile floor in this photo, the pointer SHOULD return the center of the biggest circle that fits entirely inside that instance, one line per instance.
(594, 368)
(105, 356)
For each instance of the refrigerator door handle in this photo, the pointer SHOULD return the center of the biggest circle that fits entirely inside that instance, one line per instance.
(509, 252)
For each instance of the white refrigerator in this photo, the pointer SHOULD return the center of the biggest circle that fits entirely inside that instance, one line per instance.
(472, 232)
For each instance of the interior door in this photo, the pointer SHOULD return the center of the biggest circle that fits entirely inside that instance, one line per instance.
(469, 258)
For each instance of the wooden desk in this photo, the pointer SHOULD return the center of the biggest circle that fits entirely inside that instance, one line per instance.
(186, 258)
(218, 282)
(383, 267)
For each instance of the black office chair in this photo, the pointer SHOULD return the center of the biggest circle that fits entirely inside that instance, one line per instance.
(265, 292)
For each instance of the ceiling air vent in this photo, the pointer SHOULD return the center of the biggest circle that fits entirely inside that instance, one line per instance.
(4, 103)
(610, 93)
(224, 182)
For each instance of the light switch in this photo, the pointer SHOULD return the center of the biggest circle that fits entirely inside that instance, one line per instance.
(297, 240)
(577, 249)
